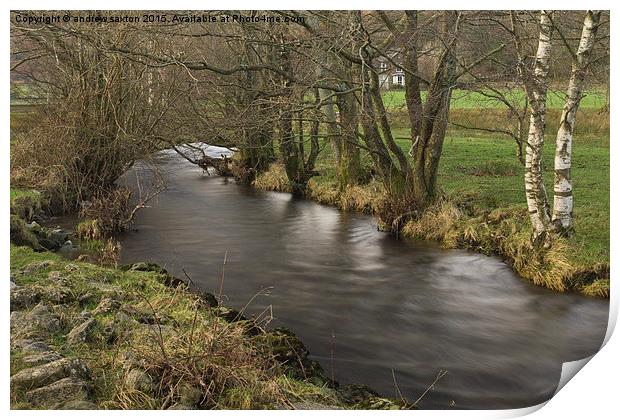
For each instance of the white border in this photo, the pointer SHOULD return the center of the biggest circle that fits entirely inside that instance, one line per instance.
(591, 394)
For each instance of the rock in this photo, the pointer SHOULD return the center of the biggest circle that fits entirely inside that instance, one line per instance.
(24, 297)
(131, 360)
(229, 315)
(58, 235)
(83, 332)
(37, 266)
(85, 298)
(304, 405)
(59, 393)
(145, 266)
(386, 404)
(31, 346)
(13, 285)
(122, 328)
(40, 321)
(113, 332)
(107, 290)
(20, 235)
(139, 380)
(157, 329)
(55, 276)
(189, 395)
(122, 317)
(48, 373)
(140, 315)
(27, 296)
(172, 281)
(107, 304)
(291, 352)
(49, 244)
(58, 291)
(34, 227)
(208, 299)
(71, 267)
(80, 405)
(68, 250)
(356, 394)
(39, 359)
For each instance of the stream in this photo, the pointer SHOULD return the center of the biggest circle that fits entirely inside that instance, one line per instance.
(371, 309)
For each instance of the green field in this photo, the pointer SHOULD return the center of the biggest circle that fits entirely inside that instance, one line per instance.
(486, 165)
(463, 99)
(489, 169)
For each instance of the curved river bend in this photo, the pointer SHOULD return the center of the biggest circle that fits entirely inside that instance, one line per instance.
(368, 307)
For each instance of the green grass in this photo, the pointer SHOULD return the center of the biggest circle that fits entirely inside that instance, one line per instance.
(462, 99)
(25, 202)
(19, 192)
(489, 169)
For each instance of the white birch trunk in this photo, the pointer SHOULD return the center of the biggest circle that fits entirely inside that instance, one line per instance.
(563, 185)
(536, 87)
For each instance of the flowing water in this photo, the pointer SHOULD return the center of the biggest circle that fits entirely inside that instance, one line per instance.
(371, 309)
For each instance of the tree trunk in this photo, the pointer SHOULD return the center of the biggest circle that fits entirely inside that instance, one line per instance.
(256, 150)
(330, 121)
(289, 148)
(536, 88)
(563, 185)
(429, 123)
(349, 165)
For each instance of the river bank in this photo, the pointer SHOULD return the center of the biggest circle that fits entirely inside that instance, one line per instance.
(459, 221)
(86, 336)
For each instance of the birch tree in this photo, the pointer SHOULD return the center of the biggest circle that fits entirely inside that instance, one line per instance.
(536, 84)
(563, 186)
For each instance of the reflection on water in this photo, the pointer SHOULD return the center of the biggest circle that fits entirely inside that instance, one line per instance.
(394, 305)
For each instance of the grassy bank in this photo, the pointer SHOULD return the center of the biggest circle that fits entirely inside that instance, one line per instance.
(138, 339)
(484, 208)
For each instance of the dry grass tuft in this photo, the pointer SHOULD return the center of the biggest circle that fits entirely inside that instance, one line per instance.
(89, 229)
(598, 288)
(108, 212)
(436, 223)
(210, 365)
(504, 232)
(324, 192)
(274, 179)
(362, 198)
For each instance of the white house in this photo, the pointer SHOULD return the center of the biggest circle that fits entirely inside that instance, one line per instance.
(390, 76)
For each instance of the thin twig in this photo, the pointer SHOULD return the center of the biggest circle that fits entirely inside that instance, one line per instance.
(440, 375)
